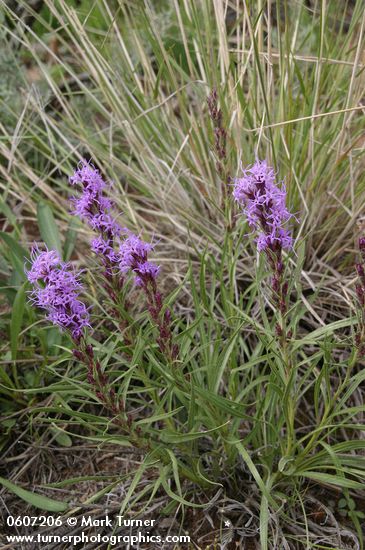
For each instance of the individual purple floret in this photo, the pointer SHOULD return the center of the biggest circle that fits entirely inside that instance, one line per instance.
(278, 237)
(57, 288)
(43, 264)
(104, 248)
(263, 203)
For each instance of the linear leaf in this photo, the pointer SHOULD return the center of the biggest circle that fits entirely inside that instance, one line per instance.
(16, 320)
(48, 227)
(39, 501)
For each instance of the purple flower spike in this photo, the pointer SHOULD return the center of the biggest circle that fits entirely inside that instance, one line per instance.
(263, 203)
(93, 207)
(56, 289)
(133, 253)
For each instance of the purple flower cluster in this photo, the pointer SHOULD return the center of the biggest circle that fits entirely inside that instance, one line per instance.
(57, 288)
(104, 248)
(95, 208)
(263, 203)
(133, 256)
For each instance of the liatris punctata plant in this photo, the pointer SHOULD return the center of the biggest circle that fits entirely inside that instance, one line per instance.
(120, 251)
(360, 294)
(57, 289)
(264, 203)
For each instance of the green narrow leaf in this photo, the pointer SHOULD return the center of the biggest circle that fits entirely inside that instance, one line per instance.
(165, 480)
(264, 490)
(9, 214)
(331, 479)
(16, 320)
(170, 437)
(157, 417)
(39, 501)
(48, 227)
(61, 437)
(137, 477)
(18, 275)
(224, 357)
(264, 522)
(70, 240)
(14, 246)
(6, 380)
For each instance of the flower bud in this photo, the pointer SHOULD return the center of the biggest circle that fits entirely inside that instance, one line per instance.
(78, 354)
